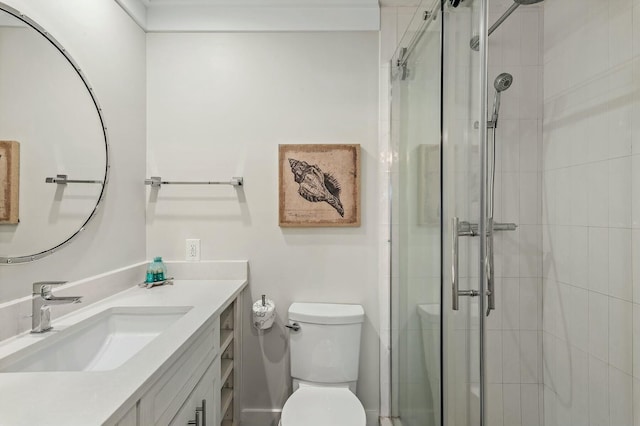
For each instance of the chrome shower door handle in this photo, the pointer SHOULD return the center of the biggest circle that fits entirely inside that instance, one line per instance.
(455, 222)
(491, 287)
(455, 278)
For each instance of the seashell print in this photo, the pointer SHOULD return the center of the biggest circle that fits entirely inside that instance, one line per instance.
(316, 185)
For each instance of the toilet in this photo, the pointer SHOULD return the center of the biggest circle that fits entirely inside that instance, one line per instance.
(324, 344)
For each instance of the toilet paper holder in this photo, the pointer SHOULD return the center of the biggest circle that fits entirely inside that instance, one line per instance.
(263, 313)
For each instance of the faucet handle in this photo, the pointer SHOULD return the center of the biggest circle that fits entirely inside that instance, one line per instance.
(39, 286)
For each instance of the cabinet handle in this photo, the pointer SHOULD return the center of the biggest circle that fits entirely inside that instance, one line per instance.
(201, 415)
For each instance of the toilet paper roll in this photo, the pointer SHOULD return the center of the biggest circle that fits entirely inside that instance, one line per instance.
(263, 315)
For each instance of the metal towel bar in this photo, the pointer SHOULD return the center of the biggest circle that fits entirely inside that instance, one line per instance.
(157, 182)
(64, 179)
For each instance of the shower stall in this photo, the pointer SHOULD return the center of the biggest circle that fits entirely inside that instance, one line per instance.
(515, 284)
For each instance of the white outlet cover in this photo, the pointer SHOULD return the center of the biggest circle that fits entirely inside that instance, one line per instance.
(192, 249)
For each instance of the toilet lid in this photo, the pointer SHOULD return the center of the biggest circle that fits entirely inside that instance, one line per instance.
(311, 406)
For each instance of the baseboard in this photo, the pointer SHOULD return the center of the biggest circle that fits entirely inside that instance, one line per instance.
(386, 421)
(373, 417)
(260, 417)
(271, 417)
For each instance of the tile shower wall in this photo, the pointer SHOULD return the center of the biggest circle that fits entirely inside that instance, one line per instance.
(514, 336)
(591, 212)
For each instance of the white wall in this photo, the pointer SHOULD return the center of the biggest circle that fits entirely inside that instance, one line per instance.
(218, 106)
(110, 48)
(591, 212)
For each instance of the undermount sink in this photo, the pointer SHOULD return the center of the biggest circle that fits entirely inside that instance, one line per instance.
(102, 342)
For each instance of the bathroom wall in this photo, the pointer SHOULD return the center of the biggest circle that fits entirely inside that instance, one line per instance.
(110, 49)
(218, 106)
(591, 212)
(514, 329)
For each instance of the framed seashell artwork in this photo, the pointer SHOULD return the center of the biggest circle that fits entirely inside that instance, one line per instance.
(319, 185)
(9, 182)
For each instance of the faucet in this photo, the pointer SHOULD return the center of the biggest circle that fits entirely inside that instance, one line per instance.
(42, 299)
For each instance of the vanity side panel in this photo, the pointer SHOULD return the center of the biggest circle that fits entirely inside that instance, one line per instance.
(131, 418)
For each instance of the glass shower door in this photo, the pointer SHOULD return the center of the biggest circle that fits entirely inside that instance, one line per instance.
(438, 138)
(464, 92)
(416, 282)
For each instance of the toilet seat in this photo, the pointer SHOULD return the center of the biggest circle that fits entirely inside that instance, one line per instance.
(322, 406)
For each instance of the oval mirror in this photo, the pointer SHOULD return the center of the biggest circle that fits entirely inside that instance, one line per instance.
(54, 152)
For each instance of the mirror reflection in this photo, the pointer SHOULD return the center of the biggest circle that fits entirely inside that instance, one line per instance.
(50, 123)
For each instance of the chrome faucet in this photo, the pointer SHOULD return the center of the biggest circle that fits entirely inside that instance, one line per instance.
(42, 299)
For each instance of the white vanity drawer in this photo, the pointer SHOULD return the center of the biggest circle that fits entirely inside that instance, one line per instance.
(161, 403)
(208, 389)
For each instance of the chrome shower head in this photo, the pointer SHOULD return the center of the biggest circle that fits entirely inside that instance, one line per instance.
(503, 82)
(528, 2)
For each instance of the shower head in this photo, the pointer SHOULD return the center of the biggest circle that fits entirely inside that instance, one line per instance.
(527, 2)
(503, 82)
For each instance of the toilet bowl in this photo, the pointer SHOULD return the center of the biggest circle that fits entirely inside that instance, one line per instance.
(322, 406)
(324, 344)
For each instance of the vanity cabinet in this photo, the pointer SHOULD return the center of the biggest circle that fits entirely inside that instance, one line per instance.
(230, 367)
(202, 407)
(200, 387)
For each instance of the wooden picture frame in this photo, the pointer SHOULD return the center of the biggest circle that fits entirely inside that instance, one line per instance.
(319, 185)
(9, 182)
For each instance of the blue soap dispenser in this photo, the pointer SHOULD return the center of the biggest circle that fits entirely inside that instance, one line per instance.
(160, 270)
(156, 271)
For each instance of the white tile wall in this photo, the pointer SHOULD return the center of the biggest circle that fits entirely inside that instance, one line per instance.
(590, 196)
(515, 343)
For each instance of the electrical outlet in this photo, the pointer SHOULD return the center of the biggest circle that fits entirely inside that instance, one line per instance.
(193, 249)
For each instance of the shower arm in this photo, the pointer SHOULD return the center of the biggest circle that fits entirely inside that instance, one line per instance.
(475, 40)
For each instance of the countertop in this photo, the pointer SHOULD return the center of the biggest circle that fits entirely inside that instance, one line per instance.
(93, 398)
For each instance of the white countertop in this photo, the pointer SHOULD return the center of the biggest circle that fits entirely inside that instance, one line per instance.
(92, 398)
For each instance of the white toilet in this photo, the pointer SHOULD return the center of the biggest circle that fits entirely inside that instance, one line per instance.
(325, 351)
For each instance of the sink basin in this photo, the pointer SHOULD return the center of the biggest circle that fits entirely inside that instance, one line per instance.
(102, 342)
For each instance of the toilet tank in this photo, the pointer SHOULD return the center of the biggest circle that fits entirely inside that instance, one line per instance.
(326, 348)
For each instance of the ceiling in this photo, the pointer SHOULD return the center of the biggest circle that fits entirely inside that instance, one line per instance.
(280, 3)
(258, 15)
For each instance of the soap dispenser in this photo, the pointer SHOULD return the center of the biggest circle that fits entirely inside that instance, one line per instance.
(156, 271)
